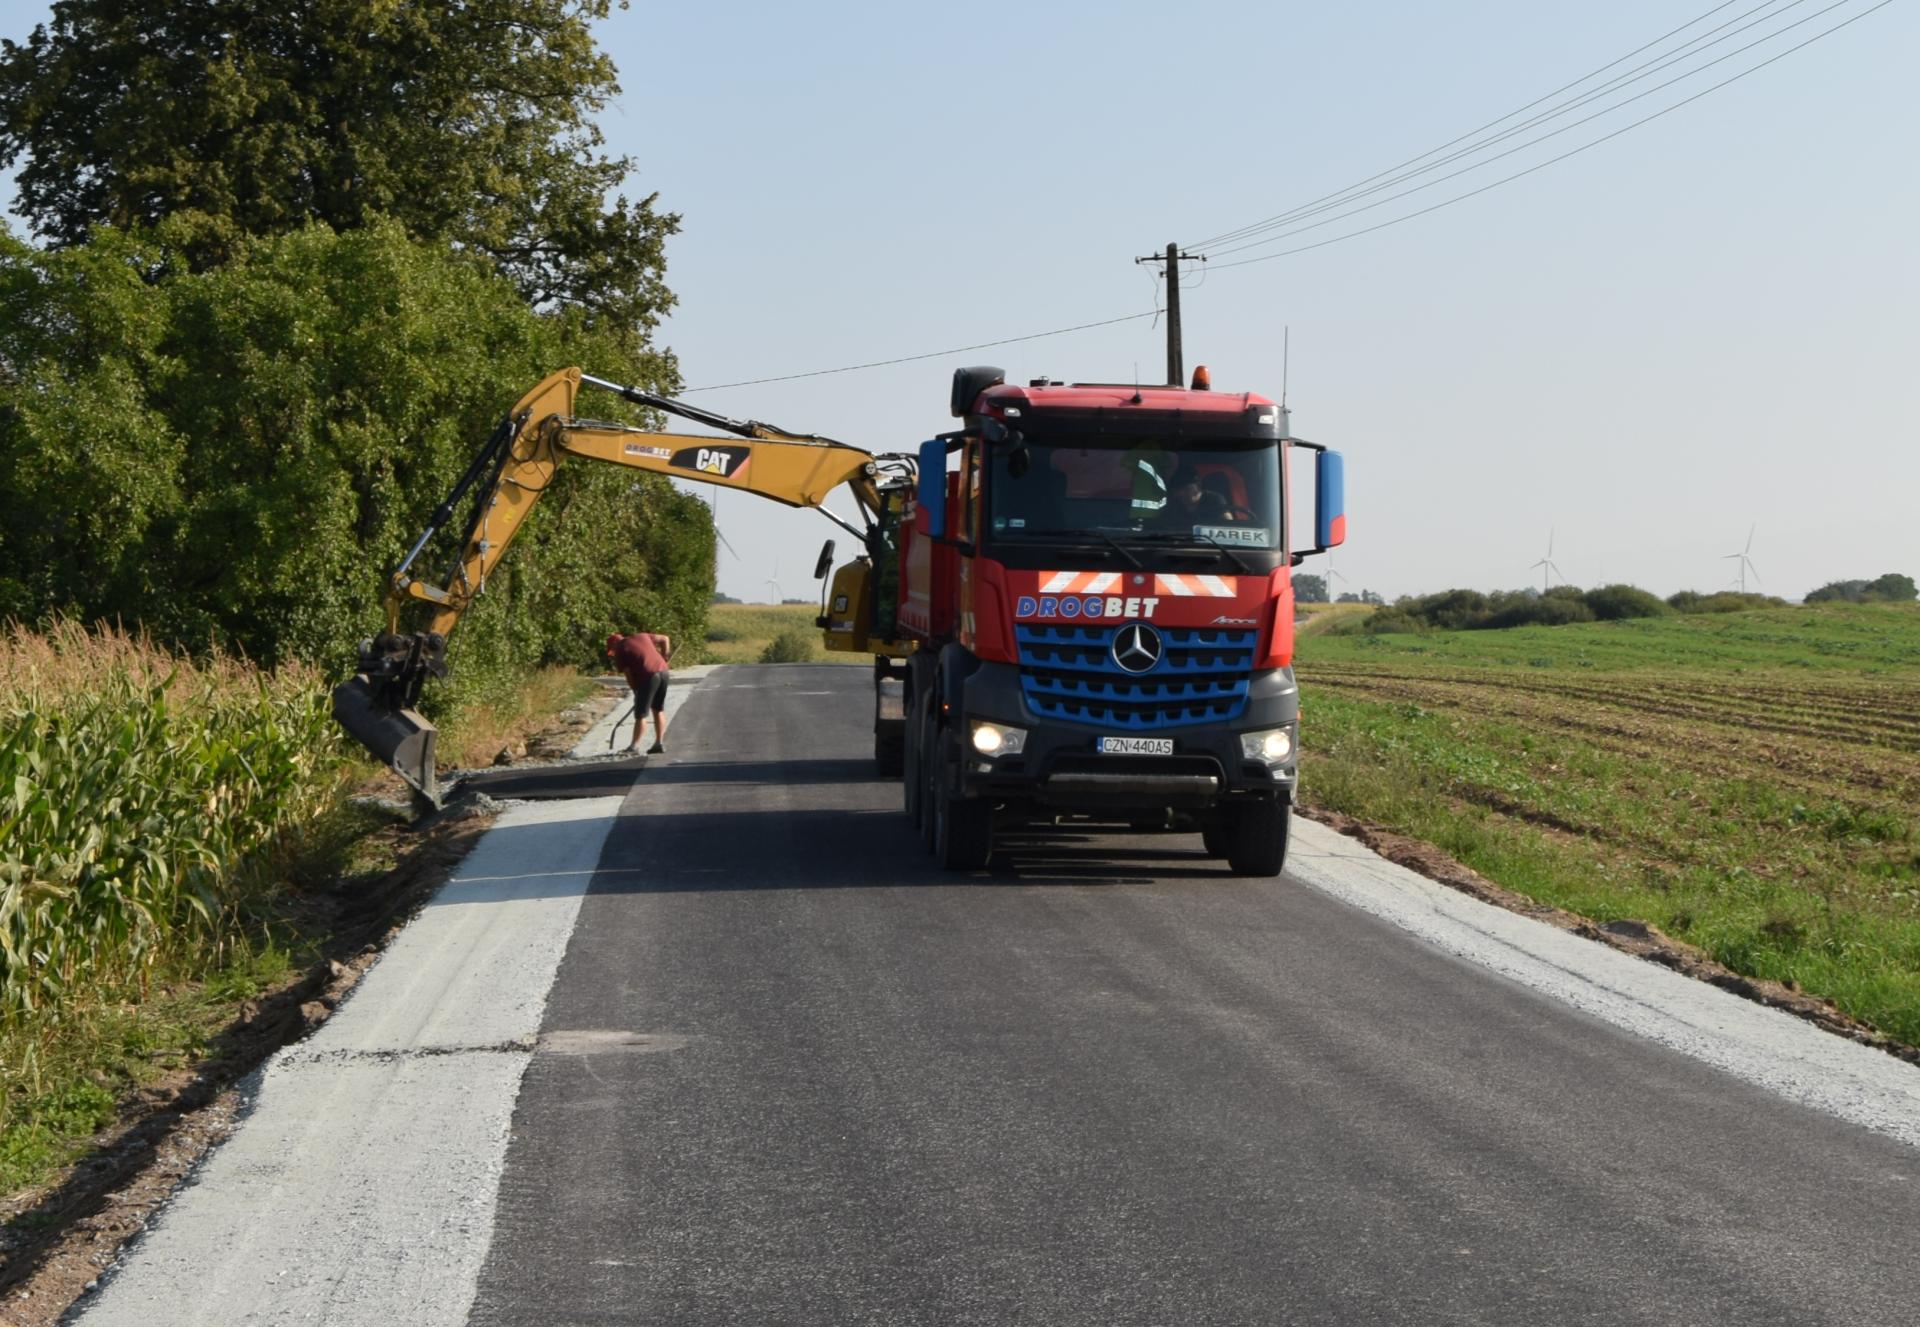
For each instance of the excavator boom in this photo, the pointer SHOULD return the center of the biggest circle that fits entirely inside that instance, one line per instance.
(378, 705)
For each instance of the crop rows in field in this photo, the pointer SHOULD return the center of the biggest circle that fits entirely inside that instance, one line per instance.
(1830, 737)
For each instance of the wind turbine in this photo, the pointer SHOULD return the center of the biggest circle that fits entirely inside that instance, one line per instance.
(1333, 575)
(1547, 563)
(1746, 563)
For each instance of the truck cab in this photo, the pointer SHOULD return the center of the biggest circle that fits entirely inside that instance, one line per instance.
(1100, 582)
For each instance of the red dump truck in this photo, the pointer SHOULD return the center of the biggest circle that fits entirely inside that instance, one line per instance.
(1089, 611)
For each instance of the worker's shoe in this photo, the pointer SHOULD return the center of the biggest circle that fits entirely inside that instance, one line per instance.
(657, 748)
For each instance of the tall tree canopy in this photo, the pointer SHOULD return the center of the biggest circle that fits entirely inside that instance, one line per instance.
(236, 456)
(214, 120)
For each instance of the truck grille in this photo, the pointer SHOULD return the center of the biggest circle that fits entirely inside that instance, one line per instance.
(1068, 674)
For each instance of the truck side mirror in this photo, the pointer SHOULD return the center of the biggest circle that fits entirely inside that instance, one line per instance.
(932, 495)
(824, 563)
(1329, 499)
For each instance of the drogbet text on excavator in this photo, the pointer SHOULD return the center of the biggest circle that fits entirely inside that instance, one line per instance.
(1089, 617)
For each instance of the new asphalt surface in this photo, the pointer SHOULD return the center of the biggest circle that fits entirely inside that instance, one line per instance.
(790, 1072)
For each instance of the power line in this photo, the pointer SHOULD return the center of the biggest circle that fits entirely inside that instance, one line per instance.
(1225, 236)
(1571, 152)
(931, 354)
(1647, 69)
(1394, 221)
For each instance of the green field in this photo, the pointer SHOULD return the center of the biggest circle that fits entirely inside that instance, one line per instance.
(738, 633)
(1747, 782)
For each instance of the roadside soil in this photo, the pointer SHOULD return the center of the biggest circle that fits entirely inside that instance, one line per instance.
(55, 1240)
(1638, 938)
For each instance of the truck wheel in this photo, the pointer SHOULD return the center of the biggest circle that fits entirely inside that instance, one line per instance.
(1256, 838)
(1213, 837)
(962, 827)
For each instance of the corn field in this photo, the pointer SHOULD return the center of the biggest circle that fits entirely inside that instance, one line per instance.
(141, 798)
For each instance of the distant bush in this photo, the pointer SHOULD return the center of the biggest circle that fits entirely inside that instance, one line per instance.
(1611, 603)
(790, 646)
(1891, 588)
(718, 632)
(1549, 610)
(1386, 622)
(1726, 601)
(1470, 610)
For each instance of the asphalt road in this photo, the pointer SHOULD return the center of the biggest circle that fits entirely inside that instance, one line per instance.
(795, 1074)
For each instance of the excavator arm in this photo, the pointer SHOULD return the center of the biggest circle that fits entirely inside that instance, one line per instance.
(507, 478)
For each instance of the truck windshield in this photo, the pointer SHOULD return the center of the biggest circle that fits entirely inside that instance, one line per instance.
(1227, 493)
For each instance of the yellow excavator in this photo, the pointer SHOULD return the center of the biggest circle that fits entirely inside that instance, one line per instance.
(511, 471)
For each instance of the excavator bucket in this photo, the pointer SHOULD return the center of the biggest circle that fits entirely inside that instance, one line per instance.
(400, 739)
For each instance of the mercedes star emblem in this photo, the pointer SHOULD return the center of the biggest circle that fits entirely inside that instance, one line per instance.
(1136, 647)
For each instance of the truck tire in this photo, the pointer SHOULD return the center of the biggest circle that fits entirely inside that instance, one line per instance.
(1213, 837)
(962, 826)
(1256, 837)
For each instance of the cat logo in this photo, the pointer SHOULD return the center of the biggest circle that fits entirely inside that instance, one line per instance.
(726, 462)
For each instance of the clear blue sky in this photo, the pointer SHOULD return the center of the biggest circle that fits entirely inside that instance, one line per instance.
(1705, 325)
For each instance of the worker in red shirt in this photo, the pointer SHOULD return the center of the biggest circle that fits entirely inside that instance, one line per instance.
(641, 657)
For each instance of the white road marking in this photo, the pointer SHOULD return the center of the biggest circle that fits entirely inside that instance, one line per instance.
(1766, 1047)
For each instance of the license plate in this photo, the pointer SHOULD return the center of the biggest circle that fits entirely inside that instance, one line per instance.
(1136, 746)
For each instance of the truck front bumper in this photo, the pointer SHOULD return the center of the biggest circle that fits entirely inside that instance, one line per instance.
(1060, 766)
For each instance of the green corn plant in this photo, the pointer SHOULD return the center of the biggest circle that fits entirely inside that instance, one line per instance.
(139, 809)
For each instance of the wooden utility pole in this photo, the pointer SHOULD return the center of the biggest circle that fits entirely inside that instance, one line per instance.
(1176, 372)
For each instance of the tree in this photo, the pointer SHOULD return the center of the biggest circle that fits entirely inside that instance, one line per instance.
(1310, 589)
(223, 119)
(1894, 588)
(234, 456)
(1842, 591)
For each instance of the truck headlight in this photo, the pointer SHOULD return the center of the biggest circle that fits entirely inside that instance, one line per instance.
(997, 739)
(1272, 745)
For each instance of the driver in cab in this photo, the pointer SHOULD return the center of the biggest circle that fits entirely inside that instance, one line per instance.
(1193, 499)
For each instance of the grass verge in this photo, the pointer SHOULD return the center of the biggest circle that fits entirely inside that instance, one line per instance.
(742, 633)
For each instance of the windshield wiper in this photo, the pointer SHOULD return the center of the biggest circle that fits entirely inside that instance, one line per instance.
(1226, 553)
(1061, 536)
(1119, 548)
(1167, 537)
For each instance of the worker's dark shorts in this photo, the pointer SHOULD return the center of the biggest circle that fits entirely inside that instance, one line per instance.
(650, 692)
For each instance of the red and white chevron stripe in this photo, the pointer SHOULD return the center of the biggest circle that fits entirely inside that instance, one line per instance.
(1194, 587)
(1079, 582)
